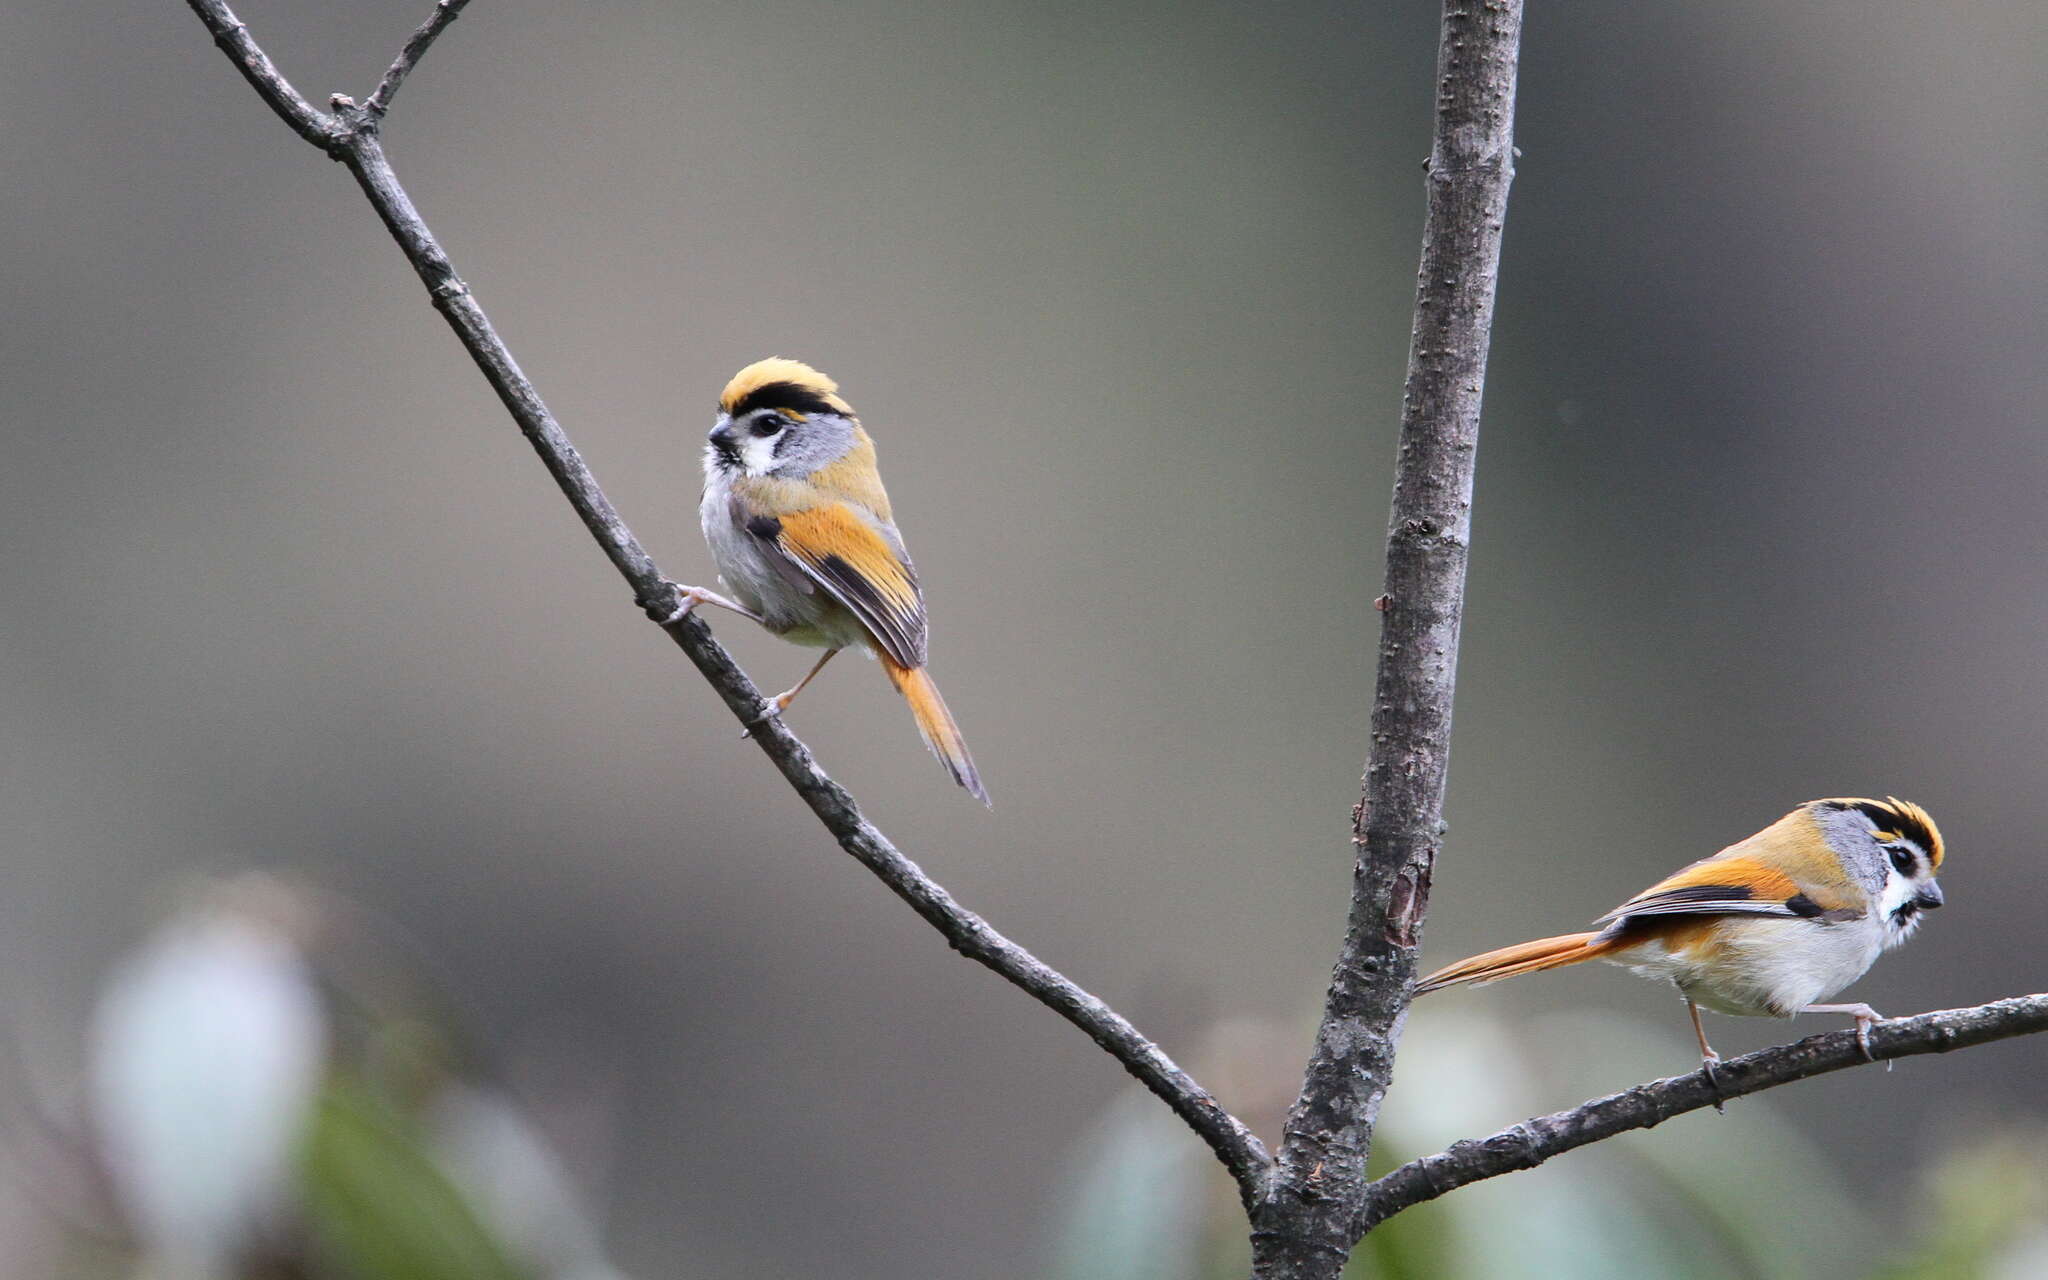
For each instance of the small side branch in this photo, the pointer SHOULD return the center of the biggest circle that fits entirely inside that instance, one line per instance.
(445, 12)
(1530, 1143)
(350, 136)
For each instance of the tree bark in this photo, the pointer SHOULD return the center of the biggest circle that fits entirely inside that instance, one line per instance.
(1309, 1218)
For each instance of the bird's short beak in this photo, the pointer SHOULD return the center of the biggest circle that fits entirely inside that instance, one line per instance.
(725, 440)
(1929, 896)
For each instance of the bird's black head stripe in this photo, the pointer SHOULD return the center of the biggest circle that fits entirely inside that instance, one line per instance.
(1905, 822)
(784, 395)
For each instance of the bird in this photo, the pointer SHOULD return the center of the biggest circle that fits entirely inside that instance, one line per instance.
(803, 536)
(1768, 926)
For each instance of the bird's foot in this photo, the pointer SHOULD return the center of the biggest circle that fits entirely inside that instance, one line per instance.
(1713, 1079)
(690, 597)
(1866, 1018)
(771, 709)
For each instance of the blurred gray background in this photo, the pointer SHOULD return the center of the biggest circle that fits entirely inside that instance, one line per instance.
(1122, 292)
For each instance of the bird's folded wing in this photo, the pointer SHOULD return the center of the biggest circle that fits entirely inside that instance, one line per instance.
(1728, 886)
(840, 550)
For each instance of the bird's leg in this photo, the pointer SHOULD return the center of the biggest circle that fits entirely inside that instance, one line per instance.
(778, 704)
(1707, 1056)
(694, 596)
(1864, 1015)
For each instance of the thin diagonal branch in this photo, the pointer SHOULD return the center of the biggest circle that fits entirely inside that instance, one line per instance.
(445, 12)
(1530, 1143)
(1302, 1227)
(232, 35)
(353, 141)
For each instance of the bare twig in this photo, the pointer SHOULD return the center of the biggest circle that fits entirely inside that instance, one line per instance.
(351, 137)
(1302, 1227)
(1530, 1143)
(232, 35)
(445, 12)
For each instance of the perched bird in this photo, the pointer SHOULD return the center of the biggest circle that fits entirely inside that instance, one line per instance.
(800, 528)
(1767, 926)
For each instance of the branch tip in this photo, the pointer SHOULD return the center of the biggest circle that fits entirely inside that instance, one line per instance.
(445, 12)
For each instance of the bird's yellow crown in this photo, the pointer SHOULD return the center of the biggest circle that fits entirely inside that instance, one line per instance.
(781, 383)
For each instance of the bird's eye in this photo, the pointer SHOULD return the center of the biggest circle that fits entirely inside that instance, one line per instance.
(767, 426)
(1902, 861)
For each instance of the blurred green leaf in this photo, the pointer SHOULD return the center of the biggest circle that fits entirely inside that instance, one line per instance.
(1985, 1199)
(1137, 1203)
(379, 1206)
(1416, 1245)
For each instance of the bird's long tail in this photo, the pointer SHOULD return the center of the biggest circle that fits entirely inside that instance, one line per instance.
(935, 723)
(1525, 957)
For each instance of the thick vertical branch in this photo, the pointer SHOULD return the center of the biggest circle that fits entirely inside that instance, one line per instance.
(1309, 1219)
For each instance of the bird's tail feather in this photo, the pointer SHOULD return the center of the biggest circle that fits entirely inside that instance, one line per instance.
(1525, 957)
(941, 734)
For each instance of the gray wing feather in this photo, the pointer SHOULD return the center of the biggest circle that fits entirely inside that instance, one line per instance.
(785, 568)
(1700, 907)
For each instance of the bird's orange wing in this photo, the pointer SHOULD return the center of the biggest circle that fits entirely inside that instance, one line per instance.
(863, 568)
(1726, 886)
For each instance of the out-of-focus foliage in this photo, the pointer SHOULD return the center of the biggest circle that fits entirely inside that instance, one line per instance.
(1985, 1211)
(262, 1105)
(379, 1206)
(1137, 1207)
(207, 1051)
(491, 1149)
